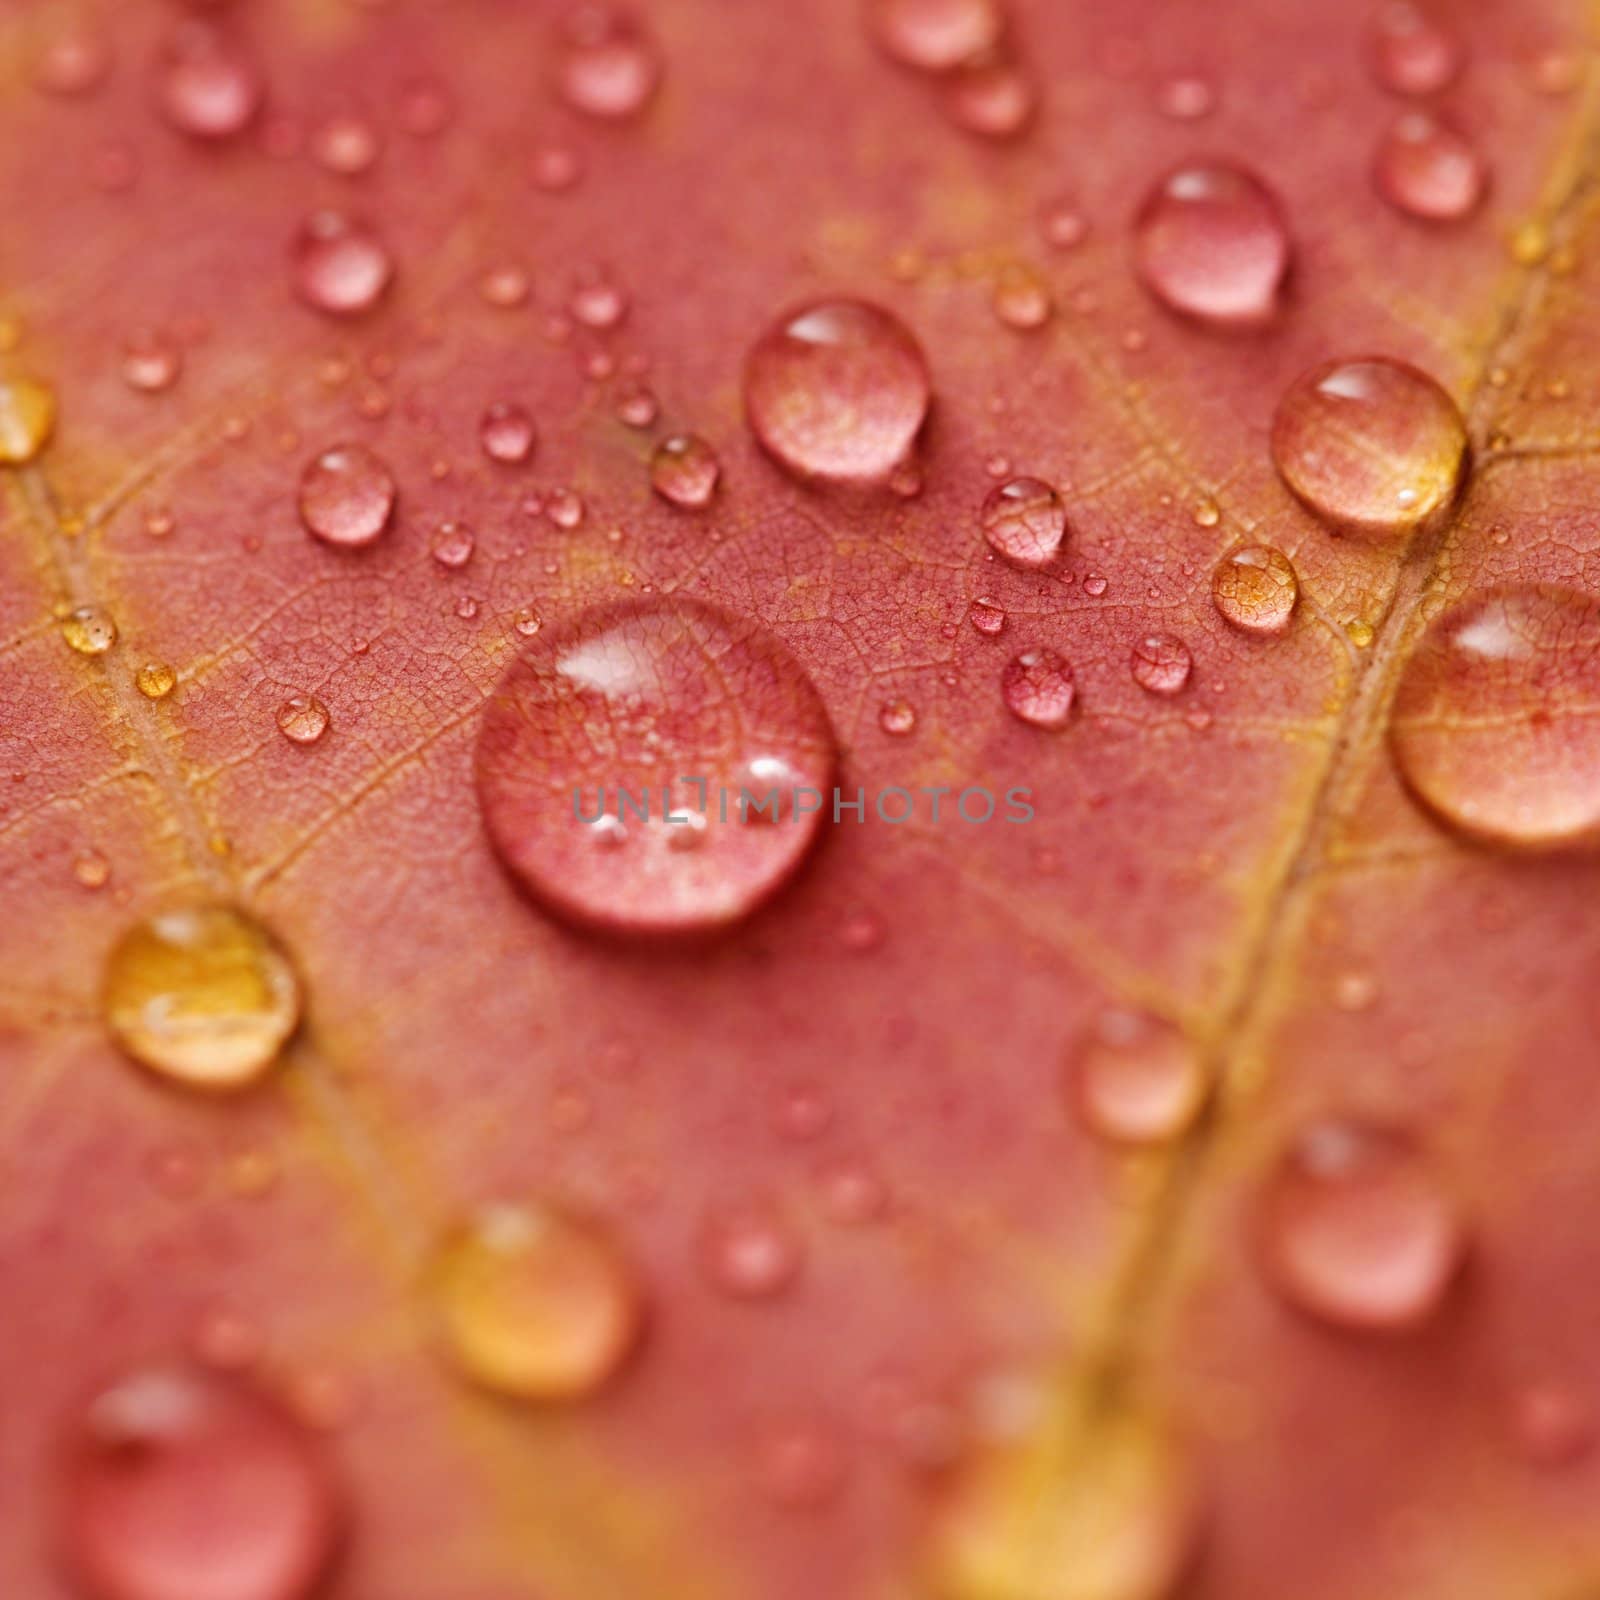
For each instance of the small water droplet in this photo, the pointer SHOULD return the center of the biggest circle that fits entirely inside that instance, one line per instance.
(526, 621)
(346, 144)
(302, 719)
(156, 680)
(1137, 1079)
(90, 630)
(1161, 663)
(1024, 520)
(1356, 1230)
(1428, 170)
(1063, 225)
(564, 508)
(994, 99)
(1186, 99)
(150, 363)
(187, 1485)
(684, 470)
(1211, 243)
(1022, 299)
(453, 544)
(1493, 725)
(987, 616)
(1371, 446)
(426, 108)
(1037, 686)
(1411, 53)
(598, 303)
(346, 496)
(507, 433)
(638, 407)
(91, 869)
(837, 389)
(898, 717)
(676, 689)
(208, 85)
(27, 419)
(555, 168)
(339, 265)
(936, 35)
(536, 1303)
(749, 1253)
(203, 996)
(69, 59)
(1255, 589)
(609, 67)
(1552, 1424)
(506, 286)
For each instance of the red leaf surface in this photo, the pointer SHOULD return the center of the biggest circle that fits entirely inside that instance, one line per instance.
(1187, 1190)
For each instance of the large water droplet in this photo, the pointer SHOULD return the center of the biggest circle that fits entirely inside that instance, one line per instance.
(1371, 445)
(536, 1303)
(684, 470)
(837, 389)
(346, 496)
(1024, 520)
(1356, 1229)
(1255, 589)
(1411, 53)
(339, 265)
(1211, 243)
(1137, 1079)
(27, 419)
(203, 996)
(1495, 724)
(185, 1485)
(1428, 170)
(631, 699)
(1038, 687)
(936, 35)
(609, 67)
(207, 85)
(1161, 663)
(90, 630)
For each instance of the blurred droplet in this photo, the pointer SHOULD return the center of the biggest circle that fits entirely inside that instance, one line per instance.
(749, 1253)
(507, 433)
(208, 85)
(935, 35)
(27, 419)
(897, 717)
(1411, 52)
(1428, 170)
(338, 265)
(609, 67)
(993, 99)
(150, 363)
(1137, 1079)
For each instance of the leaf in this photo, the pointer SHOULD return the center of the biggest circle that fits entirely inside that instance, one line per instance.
(992, 1354)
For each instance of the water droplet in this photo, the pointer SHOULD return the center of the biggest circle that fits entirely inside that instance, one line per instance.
(536, 1303)
(69, 59)
(637, 407)
(1022, 1521)
(684, 470)
(749, 1253)
(1037, 686)
(598, 303)
(203, 996)
(506, 286)
(150, 363)
(1494, 723)
(1137, 1079)
(207, 85)
(302, 719)
(987, 616)
(156, 680)
(27, 419)
(1411, 53)
(1063, 225)
(453, 544)
(347, 144)
(1186, 99)
(346, 496)
(90, 630)
(1428, 170)
(1211, 243)
(564, 508)
(1552, 1425)
(898, 717)
(185, 1485)
(554, 168)
(1255, 589)
(1356, 1230)
(91, 869)
(527, 621)
(1024, 520)
(507, 433)
(609, 67)
(339, 265)
(426, 108)
(837, 389)
(1161, 663)
(1371, 446)
(627, 700)
(994, 99)
(1022, 299)
(936, 35)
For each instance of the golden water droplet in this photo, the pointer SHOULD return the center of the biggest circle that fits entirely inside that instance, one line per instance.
(204, 996)
(1529, 244)
(91, 869)
(27, 417)
(156, 680)
(1360, 632)
(90, 630)
(535, 1303)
